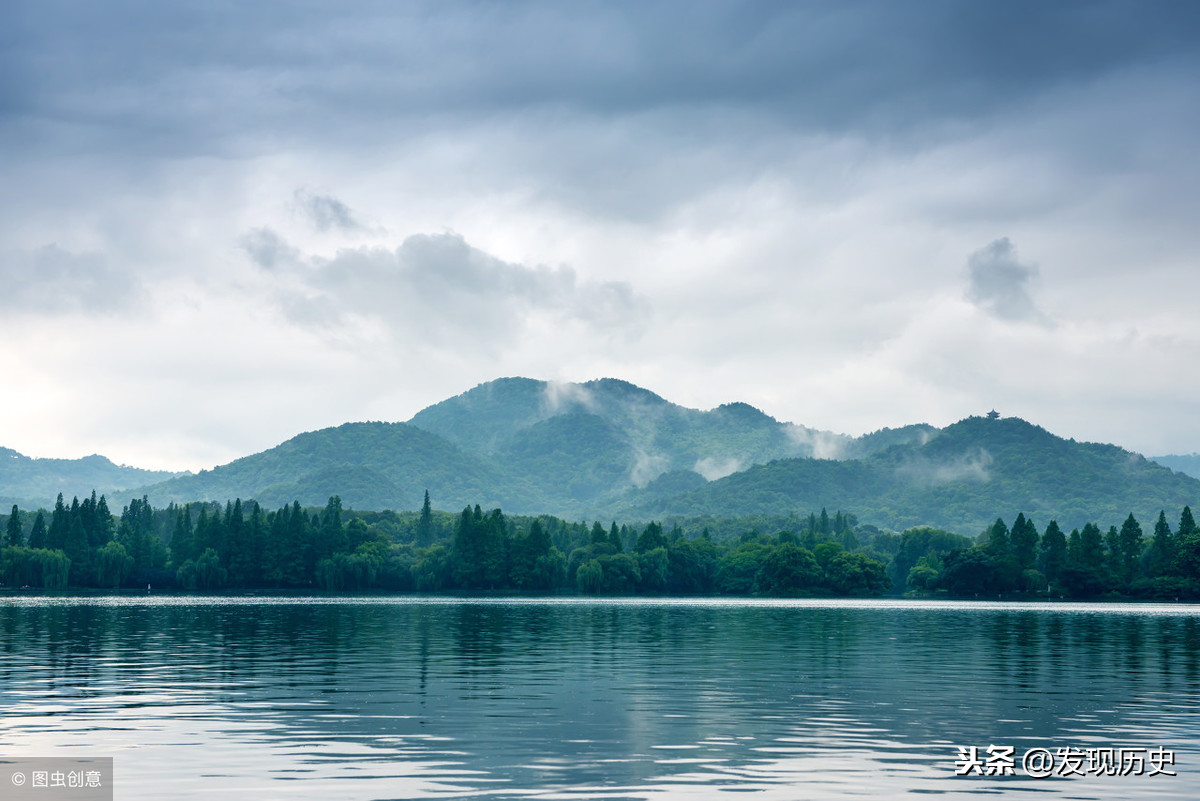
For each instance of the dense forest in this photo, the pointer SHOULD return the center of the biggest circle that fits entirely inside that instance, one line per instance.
(240, 546)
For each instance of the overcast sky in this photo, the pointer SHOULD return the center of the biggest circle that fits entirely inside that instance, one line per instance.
(222, 224)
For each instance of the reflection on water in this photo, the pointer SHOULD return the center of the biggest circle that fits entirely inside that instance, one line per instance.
(375, 699)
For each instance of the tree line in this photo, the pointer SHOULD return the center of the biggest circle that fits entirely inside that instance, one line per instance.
(209, 547)
(1088, 562)
(238, 545)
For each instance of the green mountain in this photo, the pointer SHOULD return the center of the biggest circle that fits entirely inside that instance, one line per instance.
(370, 465)
(31, 483)
(1185, 463)
(961, 478)
(589, 442)
(608, 449)
(527, 446)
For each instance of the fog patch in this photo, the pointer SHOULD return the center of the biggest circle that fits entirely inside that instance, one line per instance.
(713, 468)
(818, 444)
(646, 467)
(972, 466)
(558, 396)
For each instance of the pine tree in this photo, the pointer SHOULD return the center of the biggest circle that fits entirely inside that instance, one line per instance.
(1075, 555)
(1130, 547)
(234, 539)
(200, 534)
(60, 525)
(14, 537)
(1091, 548)
(1024, 542)
(104, 521)
(333, 534)
(246, 561)
(847, 538)
(998, 544)
(38, 535)
(76, 549)
(468, 550)
(1112, 550)
(614, 538)
(496, 547)
(87, 514)
(1160, 556)
(650, 539)
(301, 562)
(181, 538)
(1187, 546)
(133, 532)
(1187, 524)
(1054, 551)
(425, 524)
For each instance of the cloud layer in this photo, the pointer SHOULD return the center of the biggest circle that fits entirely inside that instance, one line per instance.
(222, 224)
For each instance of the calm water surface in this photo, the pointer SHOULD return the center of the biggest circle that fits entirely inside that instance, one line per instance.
(306, 698)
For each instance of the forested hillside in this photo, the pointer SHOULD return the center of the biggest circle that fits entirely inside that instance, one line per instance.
(370, 465)
(37, 481)
(956, 480)
(1185, 463)
(607, 449)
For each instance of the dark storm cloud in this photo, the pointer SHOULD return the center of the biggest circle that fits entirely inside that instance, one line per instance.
(998, 282)
(437, 290)
(234, 77)
(51, 280)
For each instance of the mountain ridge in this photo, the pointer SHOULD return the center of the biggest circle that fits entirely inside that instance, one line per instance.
(607, 448)
(26, 480)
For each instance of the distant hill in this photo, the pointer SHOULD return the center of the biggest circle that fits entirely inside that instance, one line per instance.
(31, 483)
(617, 433)
(370, 465)
(528, 446)
(1188, 463)
(961, 478)
(608, 449)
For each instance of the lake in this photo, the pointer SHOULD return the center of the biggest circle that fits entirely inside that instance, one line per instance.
(386, 698)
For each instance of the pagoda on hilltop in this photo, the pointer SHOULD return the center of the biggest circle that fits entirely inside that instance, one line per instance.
(993, 415)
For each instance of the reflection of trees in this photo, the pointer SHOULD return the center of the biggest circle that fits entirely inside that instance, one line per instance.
(508, 681)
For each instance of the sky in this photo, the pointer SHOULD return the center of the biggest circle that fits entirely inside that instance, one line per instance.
(223, 224)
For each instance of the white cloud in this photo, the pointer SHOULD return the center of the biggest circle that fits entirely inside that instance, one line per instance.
(437, 292)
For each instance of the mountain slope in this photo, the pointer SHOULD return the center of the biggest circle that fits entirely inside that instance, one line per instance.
(370, 465)
(36, 482)
(608, 449)
(961, 478)
(1184, 463)
(587, 443)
